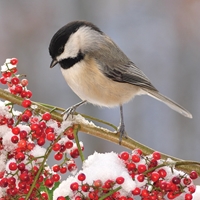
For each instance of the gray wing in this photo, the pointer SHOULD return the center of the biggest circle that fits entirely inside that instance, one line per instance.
(116, 66)
(131, 74)
(128, 73)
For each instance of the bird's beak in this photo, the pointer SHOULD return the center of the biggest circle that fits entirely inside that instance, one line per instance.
(53, 63)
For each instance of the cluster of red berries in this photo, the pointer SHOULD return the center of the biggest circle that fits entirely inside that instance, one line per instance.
(157, 182)
(153, 181)
(15, 85)
(29, 130)
(97, 189)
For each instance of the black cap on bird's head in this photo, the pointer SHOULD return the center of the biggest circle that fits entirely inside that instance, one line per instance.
(60, 38)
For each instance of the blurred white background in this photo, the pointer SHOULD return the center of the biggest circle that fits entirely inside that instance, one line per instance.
(161, 37)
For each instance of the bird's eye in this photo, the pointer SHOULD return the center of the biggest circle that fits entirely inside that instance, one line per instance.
(60, 50)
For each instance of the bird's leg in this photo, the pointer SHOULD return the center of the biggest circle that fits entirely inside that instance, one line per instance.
(71, 110)
(121, 128)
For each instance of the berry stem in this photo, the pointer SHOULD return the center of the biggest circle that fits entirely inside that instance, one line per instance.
(46, 156)
(110, 193)
(75, 131)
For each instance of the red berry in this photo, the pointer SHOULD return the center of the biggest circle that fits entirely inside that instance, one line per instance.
(72, 167)
(13, 166)
(26, 103)
(56, 177)
(4, 182)
(187, 181)
(24, 177)
(136, 191)
(58, 156)
(119, 180)
(122, 198)
(124, 155)
(7, 74)
(141, 168)
(61, 198)
(13, 61)
(131, 166)
(49, 182)
(15, 80)
(44, 196)
(69, 144)
(109, 184)
(145, 193)
(48, 130)
(78, 198)
(156, 155)
(22, 185)
(13, 70)
(24, 118)
(155, 176)
(140, 178)
(23, 134)
(85, 187)
(21, 166)
(41, 141)
(63, 169)
(15, 130)
(3, 80)
(192, 188)
(135, 158)
(74, 186)
(97, 183)
(137, 151)
(93, 195)
(56, 147)
(24, 82)
(188, 196)
(69, 133)
(14, 139)
(20, 156)
(162, 185)
(28, 94)
(50, 136)
(18, 89)
(34, 127)
(46, 116)
(172, 195)
(176, 180)
(56, 168)
(23, 93)
(193, 175)
(22, 144)
(162, 173)
(28, 112)
(81, 177)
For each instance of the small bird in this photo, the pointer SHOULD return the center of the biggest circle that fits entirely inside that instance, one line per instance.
(98, 71)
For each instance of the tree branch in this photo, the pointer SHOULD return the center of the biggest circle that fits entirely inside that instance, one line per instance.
(91, 129)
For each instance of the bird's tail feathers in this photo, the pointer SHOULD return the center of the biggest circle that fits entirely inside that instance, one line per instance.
(173, 105)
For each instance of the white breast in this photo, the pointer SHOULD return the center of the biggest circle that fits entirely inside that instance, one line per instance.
(90, 84)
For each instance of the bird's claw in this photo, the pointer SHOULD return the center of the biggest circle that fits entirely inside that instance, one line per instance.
(122, 132)
(69, 111)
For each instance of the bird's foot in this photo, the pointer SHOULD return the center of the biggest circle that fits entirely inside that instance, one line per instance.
(71, 110)
(122, 132)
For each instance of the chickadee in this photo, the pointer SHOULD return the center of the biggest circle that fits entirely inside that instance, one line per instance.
(98, 71)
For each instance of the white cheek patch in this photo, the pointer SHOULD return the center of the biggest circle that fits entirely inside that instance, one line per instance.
(71, 48)
(82, 39)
